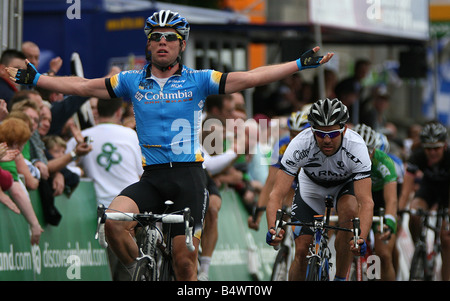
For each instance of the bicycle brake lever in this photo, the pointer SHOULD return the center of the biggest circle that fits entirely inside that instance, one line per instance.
(188, 229)
(278, 225)
(356, 230)
(381, 220)
(100, 218)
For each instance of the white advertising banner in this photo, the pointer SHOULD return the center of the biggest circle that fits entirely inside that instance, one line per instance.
(400, 18)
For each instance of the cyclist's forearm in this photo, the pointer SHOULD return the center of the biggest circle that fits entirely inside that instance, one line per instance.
(73, 85)
(273, 204)
(407, 188)
(365, 216)
(238, 81)
(267, 188)
(281, 188)
(268, 74)
(69, 85)
(363, 193)
(390, 198)
(271, 210)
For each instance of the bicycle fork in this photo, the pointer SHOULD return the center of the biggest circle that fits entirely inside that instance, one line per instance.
(319, 249)
(148, 247)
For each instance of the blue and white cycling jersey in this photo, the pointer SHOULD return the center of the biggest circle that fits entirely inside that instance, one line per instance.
(168, 118)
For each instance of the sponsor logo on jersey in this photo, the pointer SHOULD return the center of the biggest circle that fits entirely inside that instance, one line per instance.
(327, 173)
(300, 154)
(175, 96)
(351, 156)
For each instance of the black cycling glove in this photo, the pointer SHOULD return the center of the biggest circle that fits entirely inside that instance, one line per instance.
(307, 60)
(27, 76)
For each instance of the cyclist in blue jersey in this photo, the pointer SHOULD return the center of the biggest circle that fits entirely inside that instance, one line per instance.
(168, 99)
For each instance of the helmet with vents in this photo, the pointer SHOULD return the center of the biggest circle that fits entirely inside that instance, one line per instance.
(328, 112)
(168, 19)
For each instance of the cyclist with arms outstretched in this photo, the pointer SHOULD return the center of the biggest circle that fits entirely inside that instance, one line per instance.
(168, 99)
(384, 194)
(333, 160)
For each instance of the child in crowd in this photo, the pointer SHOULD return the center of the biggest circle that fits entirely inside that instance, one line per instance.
(55, 147)
(16, 132)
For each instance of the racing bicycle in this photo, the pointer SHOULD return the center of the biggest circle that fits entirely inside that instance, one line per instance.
(423, 262)
(153, 236)
(319, 256)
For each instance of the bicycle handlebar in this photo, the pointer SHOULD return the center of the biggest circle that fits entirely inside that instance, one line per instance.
(421, 212)
(170, 218)
(279, 224)
(441, 212)
(256, 210)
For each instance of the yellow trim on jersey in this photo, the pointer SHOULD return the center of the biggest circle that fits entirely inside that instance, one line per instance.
(114, 81)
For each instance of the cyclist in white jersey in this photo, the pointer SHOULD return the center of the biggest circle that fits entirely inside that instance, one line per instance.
(168, 120)
(333, 160)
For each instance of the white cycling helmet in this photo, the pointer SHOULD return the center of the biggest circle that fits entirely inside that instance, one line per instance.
(368, 134)
(433, 133)
(382, 143)
(298, 121)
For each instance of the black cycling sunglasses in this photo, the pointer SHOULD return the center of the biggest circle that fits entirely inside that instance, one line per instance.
(169, 36)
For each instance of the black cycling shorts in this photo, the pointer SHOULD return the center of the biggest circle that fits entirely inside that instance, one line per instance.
(183, 183)
(433, 193)
(378, 200)
(304, 213)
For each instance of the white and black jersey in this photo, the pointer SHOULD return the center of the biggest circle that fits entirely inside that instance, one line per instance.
(321, 175)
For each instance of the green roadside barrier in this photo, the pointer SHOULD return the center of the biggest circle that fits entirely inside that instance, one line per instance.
(241, 254)
(67, 252)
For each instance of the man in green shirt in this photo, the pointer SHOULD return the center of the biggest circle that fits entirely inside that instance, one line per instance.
(384, 194)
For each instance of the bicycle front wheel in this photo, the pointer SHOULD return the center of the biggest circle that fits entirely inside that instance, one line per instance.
(313, 270)
(145, 270)
(280, 266)
(166, 271)
(418, 262)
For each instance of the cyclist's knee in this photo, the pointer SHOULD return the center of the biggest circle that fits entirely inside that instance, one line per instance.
(347, 207)
(302, 246)
(215, 202)
(184, 268)
(445, 241)
(113, 229)
(384, 253)
(185, 262)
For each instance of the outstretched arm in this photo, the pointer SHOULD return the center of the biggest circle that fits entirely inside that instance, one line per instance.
(238, 81)
(69, 85)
